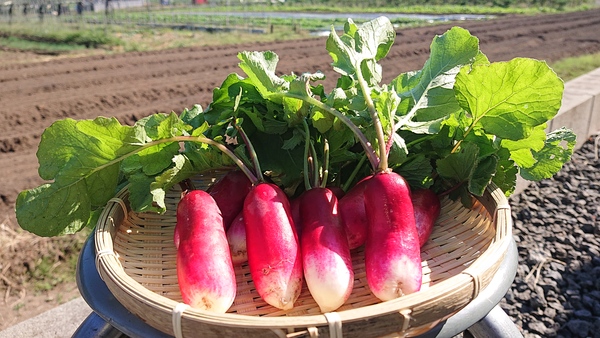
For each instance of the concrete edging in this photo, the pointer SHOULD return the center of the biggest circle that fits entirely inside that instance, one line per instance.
(580, 110)
(60, 322)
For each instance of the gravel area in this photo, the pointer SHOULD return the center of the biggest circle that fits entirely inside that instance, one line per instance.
(556, 292)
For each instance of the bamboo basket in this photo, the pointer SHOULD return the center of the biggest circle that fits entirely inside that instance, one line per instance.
(135, 256)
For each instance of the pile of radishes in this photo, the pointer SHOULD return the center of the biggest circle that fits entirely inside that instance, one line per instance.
(245, 219)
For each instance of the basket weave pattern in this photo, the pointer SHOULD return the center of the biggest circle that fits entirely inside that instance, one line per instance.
(460, 258)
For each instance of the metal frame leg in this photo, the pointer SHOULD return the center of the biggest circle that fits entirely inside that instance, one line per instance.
(96, 327)
(496, 324)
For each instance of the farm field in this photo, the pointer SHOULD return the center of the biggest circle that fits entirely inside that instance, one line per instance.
(132, 85)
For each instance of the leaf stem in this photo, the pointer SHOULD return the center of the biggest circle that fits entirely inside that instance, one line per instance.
(325, 163)
(459, 142)
(306, 152)
(457, 145)
(348, 182)
(383, 161)
(315, 164)
(413, 111)
(251, 176)
(419, 140)
(253, 156)
(197, 139)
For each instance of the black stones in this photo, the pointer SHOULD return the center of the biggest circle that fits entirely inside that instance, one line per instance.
(557, 222)
(579, 328)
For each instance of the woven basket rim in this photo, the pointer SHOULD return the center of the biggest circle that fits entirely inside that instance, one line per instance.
(110, 268)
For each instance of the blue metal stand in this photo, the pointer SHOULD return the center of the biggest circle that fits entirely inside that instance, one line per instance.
(495, 324)
(482, 317)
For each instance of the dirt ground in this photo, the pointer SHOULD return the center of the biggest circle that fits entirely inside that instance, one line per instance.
(132, 85)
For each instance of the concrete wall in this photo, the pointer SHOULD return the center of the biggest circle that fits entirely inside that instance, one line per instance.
(580, 110)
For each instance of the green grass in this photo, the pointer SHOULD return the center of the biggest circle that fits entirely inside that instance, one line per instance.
(222, 20)
(409, 9)
(51, 270)
(55, 37)
(219, 18)
(570, 68)
(13, 42)
(64, 37)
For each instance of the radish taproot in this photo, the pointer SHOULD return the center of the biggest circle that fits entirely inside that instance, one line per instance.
(204, 268)
(427, 207)
(229, 192)
(274, 254)
(392, 251)
(325, 253)
(236, 237)
(274, 257)
(326, 256)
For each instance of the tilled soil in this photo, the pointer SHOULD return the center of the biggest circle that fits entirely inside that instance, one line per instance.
(133, 85)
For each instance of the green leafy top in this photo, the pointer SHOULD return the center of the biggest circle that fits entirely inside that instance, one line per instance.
(455, 126)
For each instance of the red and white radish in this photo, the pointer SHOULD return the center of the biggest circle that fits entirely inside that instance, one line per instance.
(325, 253)
(297, 214)
(427, 208)
(236, 237)
(274, 255)
(352, 210)
(229, 192)
(204, 267)
(392, 251)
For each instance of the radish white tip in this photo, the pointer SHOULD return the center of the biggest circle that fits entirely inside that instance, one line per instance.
(204, 301)
(285, 304)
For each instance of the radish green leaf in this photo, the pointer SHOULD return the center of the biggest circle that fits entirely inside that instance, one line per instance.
(557, 151)
(509, 99)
